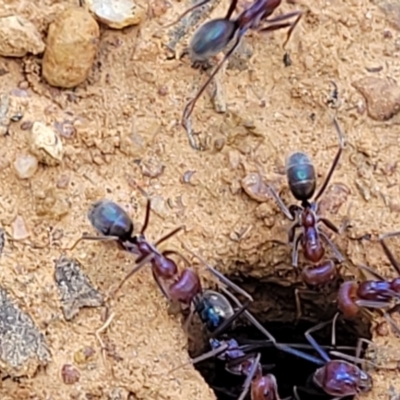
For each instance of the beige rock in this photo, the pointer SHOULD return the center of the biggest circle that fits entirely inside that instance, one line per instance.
(25, 166)
(116, 14)
(71, 48)
(381, 95)
(18, 37)
(45, 144)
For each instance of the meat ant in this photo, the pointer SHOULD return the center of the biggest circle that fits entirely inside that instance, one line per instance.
(240, 363)
(215, 35)
(213, 308)
(379, 293)
(114, 224)
(301, 177)
(338, 378)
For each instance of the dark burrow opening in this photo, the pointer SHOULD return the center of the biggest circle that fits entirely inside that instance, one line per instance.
(274, 306)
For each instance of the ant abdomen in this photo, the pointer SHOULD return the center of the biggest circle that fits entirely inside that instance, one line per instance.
(211, 38)
(110, 219)
(300, 173)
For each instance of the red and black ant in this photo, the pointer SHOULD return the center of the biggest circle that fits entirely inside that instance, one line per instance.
(301, 176)
(241, 363)
(379, 293)
(338, 378)
(213, 308)
(215, 35)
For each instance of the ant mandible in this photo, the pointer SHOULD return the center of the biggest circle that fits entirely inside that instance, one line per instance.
(379, 293)
(300, 173)
(215, 35)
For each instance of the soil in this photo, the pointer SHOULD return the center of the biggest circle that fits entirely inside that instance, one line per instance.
(126, 136)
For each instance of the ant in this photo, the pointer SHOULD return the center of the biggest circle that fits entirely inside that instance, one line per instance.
(379, 293)
(301, 176)
(240, 363)
(338, 378)
(215, 35)
(114, 224)
(215, 311)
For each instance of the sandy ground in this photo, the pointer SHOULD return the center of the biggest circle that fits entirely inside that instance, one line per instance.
(127, 133)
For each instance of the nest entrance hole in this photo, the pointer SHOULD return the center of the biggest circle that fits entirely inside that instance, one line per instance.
(275, 307)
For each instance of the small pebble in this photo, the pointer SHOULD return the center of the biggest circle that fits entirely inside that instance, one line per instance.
(255, 188)
(83, 355)
(116, 14)
(20, 231)
(45, 144)
(70, 374)
(26, 125)
(25, 166)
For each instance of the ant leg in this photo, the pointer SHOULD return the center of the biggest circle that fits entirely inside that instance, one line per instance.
(292, 231)
(160, 285)
(231, 9)
(333, 336)
(296, 393)
(229, 283)
(146, 217)
(295, 251)
(140, 265)
(335, 250)
(388, 252)
(250, 316)
(329, 225)
(313, 342)
(167, 253)
(201, 3)
(190, 105)
(212, 353)
(291, 29)
(168, 235)
(388, 318)
(298, 353)
(94, 238)
(372, 304)
(297, 293)
(219, 275)
(335, 161)
(372, 272)
(280, 202)
(255, 366)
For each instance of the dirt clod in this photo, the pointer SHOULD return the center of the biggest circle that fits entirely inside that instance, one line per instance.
(71, 48)
(18, 37)
(25, 166)
(382, 97)
(22, 346)
(76, 291)
(45, 144)
(255, 188)
(70, 374)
